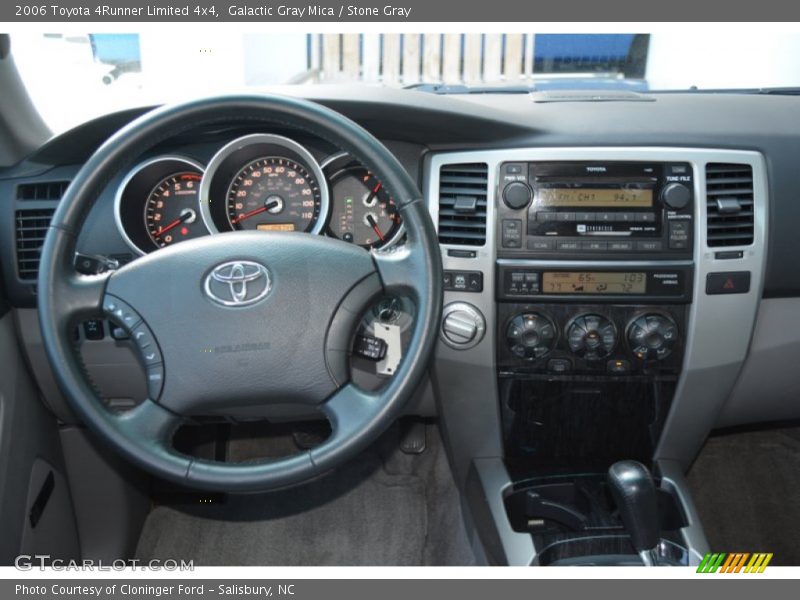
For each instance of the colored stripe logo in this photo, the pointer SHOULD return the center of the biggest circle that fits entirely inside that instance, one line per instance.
(734, 562)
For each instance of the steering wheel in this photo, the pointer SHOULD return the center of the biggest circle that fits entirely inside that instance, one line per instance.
(230, 322)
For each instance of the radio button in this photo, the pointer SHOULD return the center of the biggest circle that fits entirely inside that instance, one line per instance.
(586, 217)
(650, 246)
(679, 234)
(512, 233)
(544, 217)
(626, 217)
(568, 246)
(605, 217)
(541, 244)
(646, 217)
(620, 246)
(594, 246)
(565, 216)
(516, 195)
(676, 195)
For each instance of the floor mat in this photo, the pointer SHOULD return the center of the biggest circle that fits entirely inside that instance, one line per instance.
(747, 490)
(384, 508)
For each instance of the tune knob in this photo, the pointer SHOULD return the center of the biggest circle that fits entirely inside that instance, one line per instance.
(652, 336)
(591, 336)
(676, 195)
(531, 335)
(516, 195)
(463, 325)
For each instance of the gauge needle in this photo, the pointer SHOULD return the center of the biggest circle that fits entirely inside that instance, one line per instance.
(174, 224)
(374, 224)
(373, 192)
(257, 211)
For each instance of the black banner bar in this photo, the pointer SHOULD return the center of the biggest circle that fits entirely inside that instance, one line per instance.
(412, 11)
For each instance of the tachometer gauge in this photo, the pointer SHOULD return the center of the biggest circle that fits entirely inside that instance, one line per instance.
(274, 194)
(170, 212)
(362, 212)
(158, 203)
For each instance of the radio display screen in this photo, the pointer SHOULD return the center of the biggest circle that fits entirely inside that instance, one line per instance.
(581, 282)
(595, 197)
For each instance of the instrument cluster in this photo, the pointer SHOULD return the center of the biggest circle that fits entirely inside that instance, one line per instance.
(261, 182)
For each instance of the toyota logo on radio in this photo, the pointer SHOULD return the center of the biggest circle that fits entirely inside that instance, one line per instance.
(238, 283)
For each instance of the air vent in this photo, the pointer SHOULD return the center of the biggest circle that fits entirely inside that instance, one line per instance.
(49, 190)
(462, 204)
(729, 201)
(32, 227)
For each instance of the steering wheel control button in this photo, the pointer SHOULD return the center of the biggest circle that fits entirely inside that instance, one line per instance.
(591, 337)
(93, 329)
(463, 325)
(370, 347)
(652, 336)
(146, 343)
(155, 381)
(120, 312)
(531, 336)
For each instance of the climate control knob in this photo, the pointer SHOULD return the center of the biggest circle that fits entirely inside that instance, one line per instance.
(591, 336)
(531, 335)
(652, 336)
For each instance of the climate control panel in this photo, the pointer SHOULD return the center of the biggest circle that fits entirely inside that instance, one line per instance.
(612, 339)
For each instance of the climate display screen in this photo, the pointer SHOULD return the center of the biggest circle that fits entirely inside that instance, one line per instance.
(576, 282)
(595, 197)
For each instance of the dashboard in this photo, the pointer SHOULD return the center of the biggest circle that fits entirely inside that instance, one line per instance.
(535, 246)
(635, 251)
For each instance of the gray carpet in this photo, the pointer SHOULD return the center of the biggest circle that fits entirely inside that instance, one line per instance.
(747, 490)
(384, 508)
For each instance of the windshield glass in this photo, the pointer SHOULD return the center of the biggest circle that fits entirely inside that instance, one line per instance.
(72, 78)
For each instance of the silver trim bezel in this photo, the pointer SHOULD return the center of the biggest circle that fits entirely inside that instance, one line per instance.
(263, 138)
(129, 177)
(715, 349)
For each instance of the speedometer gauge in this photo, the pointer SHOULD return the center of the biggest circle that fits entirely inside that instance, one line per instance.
(274, 194)
(264, 182)
(170, 212)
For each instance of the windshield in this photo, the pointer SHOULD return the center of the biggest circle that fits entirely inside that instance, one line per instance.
(72, 78)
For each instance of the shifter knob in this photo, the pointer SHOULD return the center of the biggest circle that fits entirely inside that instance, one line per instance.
(635, 495)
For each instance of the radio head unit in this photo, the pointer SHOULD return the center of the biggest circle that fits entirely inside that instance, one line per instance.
(595, 208)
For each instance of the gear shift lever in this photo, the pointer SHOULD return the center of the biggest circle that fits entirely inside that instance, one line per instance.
(635, 495)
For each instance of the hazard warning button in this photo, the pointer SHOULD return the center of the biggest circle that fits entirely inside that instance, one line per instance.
(734, 282)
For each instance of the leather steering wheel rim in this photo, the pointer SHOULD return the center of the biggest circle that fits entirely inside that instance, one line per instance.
(143, 434)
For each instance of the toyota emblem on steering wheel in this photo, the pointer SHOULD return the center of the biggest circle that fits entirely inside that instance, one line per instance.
(238, 283)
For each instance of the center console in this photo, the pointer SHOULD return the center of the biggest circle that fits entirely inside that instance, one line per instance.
(579, 334)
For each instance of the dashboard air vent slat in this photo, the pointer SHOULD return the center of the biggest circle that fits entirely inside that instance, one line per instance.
(47, 190)
(463, 185)
(31, 229)
(729, 204)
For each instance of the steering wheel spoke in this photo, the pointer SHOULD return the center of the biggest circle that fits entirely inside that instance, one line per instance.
(147, 435)
(398, 269)
(349, 410)
(81, 296)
